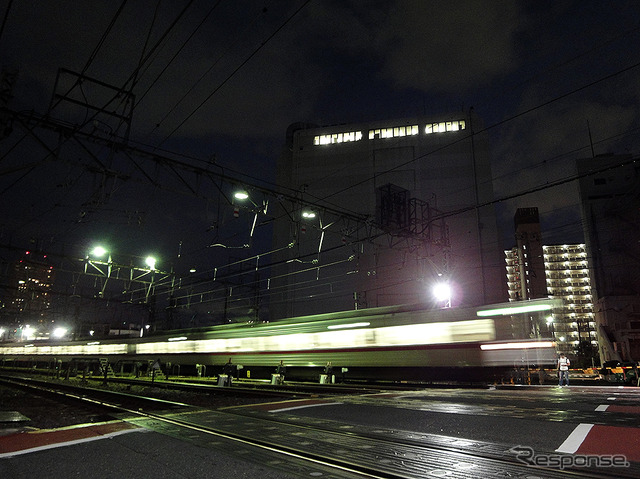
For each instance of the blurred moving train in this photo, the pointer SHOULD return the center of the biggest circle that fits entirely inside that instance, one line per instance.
(410, 342)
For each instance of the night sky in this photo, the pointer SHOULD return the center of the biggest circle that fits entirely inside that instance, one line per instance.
(217, 83)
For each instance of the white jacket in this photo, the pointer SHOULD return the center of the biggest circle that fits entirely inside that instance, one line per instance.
(563, 364)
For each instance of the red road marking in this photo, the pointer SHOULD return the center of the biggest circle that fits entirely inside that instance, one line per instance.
(624, 409)
(612, 440)
(52, 437)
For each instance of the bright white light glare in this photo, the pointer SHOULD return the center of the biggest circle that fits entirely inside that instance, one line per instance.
(178, 338)
(515, 310)
(442, 291)
(59, 332)
(308, 214)
(28, 332)
(98, 251)
(241, 195)
(529, 345)
(349, 326)
(93, 343)
(150, 262)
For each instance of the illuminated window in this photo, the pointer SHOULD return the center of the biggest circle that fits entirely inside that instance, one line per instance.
(337, 138)
(443, 126)
(394, 132)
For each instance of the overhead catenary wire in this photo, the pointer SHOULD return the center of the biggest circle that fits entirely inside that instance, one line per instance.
(94, 52)
(195, 83)
(5, 18)
(178, 51)
(238, 68)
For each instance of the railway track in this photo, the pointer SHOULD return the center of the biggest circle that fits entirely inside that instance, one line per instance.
(286, 442)
(240, 388)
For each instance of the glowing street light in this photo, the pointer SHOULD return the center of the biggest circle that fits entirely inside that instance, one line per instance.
(241, 195)
(150, 261)
(59, 332)
(308, 214)
(28, 332)
(442, 293)
(98, 251)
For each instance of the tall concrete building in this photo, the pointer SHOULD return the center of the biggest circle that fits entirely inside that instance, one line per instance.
(398, 207)
(28, 297)
(567, 272)
(535, 270)
(610, 197)
(531, 283)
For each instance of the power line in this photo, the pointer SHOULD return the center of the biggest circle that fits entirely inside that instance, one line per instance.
(175, 55)
(5, 17)
(243, 63)
(193, 86)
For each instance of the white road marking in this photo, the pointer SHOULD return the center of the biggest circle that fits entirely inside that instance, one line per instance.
(70, 443)
(575, 439)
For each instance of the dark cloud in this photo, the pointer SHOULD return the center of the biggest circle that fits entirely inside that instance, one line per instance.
(433, 47)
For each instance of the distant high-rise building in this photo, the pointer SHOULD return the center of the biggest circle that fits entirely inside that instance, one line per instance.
(560, 272)
(567, 275)
(29, 298)
(410, 192)
(531, 284)
(610, 197)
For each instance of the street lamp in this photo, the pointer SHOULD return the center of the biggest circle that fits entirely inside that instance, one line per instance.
(241, 195)
(150, 262)
(442, 293)
(28, 332)
(59, 333)
(98, 251)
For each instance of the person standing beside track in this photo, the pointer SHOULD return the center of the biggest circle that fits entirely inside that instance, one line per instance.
(230, 370)
(278, 377)
(563, 370)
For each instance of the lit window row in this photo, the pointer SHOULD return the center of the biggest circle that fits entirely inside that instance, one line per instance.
(395, 132)
(443, 126)
(337, 138)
